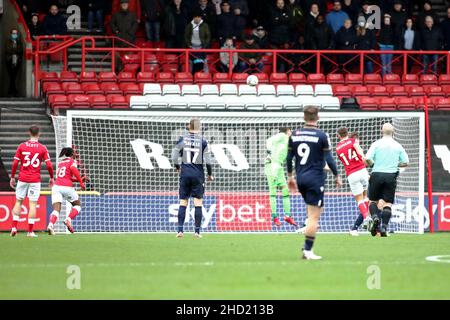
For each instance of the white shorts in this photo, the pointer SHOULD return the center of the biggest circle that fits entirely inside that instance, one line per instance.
(30, 190)
(359, 181)
(60, 193)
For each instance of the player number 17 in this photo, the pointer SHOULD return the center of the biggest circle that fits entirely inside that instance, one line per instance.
(195, 152)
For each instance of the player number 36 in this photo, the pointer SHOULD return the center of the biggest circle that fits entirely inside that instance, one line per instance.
(33, 161)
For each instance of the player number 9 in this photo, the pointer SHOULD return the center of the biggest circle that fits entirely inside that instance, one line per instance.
(303, 151)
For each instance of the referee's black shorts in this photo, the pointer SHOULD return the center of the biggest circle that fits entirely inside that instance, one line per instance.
(382, 186)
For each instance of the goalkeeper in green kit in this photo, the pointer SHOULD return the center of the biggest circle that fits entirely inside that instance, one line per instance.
(277, 151)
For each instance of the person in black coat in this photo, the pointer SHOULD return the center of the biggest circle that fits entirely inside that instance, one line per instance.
(322, 38)
(426, 11)
(366, 40)
(431, 39)
(310, 22)
(386, 40)
(409, 40)
(352, 8)
(398, 20)
(35, 26)
(445, 27)
(280, 25)
(13, 58)
(226, 24)
(54, 22)
(345, 39)
(175, 21)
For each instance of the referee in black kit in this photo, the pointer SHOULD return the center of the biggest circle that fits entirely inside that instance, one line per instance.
(387, 156)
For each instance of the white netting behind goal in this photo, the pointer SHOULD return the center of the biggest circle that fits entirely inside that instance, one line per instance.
(126, 156)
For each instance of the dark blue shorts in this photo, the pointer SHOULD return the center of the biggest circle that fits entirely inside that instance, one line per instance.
(312, 189)
(192, 187)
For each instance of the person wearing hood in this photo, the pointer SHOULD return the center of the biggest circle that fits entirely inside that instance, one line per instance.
(197, 36)
(261, 37)
(13, 58)
(226, 23)
(54, 22)
(225, 56)
(176, 18)
(124, 23)
(346, 39)
(35, 26)
(366, 40)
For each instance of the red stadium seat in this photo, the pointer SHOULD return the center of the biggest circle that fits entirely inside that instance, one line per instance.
(153, 68)
(391, 79)
(131, 58)
(125, 76)
(297, 78)
(107, 77)
(91, 88)
(373, 78)
(133, 68)
(150, 58)
(57, 101)
(316, 78)
(118, 102)
(145, 77)
(164, 77)
(428, 79)
(446, 90)
(335, 78)
(130, 88)
(342, 91)
(202, 77)
(410, 79)
(367, 103)
(88, 77)
(183, 77)
(79, 101)
(68, 76)
(263, 78)
(171, 68)
(387, 103)
(415, 91)
(441, 103)
(420, 102)
(72, 88)
(49, 77)
(405, 103)
(397, 91)
(110, 88)
(52, 88)
(278, 78)
(98, 101)
(434, 91)
(221, 78)
(444, 79)
(239, 78)
(353, 78)
(358, 90)
(377, 91)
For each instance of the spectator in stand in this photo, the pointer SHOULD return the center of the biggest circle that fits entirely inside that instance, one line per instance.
(280, 21)
(352, 8)
(225, 56)
(28, 7)
(208, 11)
(322, 38)
(445, 27)
(321, 4)
(366, 10)
(249, 61)
(217, 5)
(240, 10)
(124, 23)
(152, 11)
(197, 36)
(226, 23)
(96, 9)
(134, 6)
(336, 18)
(261, 37)
(35, 26)
(13, 59)
(386, 39)
(310, 23)
(431, 40)
(54, 22)
(346, 39)
(176, 19)
(297, 19)
(426, 11)
(300, 64)
(366, 40)
(409, 41)
(398, 20)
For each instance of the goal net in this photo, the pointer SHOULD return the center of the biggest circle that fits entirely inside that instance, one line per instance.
(126, 157)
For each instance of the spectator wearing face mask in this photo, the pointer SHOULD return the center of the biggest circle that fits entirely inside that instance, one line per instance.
(13, 58)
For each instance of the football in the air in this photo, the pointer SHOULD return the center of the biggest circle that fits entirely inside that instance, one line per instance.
(252, 80)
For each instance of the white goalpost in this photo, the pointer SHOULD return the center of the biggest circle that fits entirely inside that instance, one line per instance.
(134, 187)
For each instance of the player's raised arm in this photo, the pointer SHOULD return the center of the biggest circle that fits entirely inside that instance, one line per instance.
(177, 154)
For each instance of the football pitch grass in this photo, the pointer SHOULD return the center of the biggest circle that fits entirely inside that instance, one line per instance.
(223, 266)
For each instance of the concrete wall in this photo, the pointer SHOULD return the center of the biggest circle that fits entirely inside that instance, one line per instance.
(9, 20)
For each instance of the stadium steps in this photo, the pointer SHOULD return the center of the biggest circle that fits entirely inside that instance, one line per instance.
(16, 116)
(95, 61)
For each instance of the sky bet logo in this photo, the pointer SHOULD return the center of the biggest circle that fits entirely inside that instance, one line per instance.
(230, 212)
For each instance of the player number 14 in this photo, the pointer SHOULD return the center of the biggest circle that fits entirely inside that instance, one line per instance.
(351, 155)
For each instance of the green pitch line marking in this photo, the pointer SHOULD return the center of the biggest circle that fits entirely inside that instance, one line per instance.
(443, 258)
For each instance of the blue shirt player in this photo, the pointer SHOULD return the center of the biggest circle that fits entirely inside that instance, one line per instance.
(310, 148)
(189, 155)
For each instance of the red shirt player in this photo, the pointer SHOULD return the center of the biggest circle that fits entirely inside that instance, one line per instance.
(352, 157)
(66, 174)
(31, 154)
